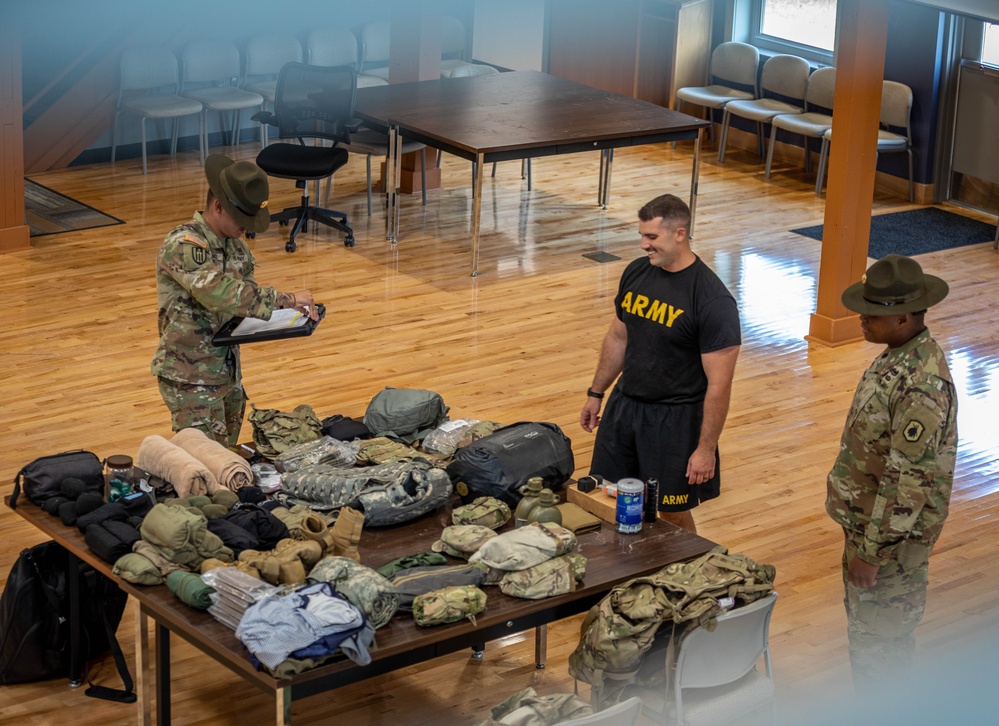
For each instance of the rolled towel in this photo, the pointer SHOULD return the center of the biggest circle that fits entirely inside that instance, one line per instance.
(168, 461)
(229, 468)
(190, 588)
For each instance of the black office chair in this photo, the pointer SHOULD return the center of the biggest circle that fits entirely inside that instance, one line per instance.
(318, 103)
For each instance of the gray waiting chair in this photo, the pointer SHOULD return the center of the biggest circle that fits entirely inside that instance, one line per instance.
(337, 47)
(782, 90)
(814, 122)
(896, 113)
(733, 78)
(150, 79)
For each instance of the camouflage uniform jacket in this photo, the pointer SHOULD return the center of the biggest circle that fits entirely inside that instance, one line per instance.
(202, 281)
(892, 479)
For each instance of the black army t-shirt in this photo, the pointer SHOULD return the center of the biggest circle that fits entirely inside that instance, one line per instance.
(672, 318)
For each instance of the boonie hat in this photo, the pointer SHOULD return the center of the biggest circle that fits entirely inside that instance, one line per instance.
(894, 285)
(241, 188)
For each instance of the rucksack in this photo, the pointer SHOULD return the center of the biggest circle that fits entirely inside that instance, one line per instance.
(34, 616)
(499, 464)
(405, 414)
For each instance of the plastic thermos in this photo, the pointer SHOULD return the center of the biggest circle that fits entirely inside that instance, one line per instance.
(651, 507)
(630, 498)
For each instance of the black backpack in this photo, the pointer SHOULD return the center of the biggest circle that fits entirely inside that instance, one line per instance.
(499, 464)
(34, 619)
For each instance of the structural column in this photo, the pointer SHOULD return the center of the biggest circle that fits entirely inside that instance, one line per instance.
(14, 233)
(860, 61)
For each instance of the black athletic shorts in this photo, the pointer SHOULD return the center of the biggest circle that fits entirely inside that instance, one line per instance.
(653, 440)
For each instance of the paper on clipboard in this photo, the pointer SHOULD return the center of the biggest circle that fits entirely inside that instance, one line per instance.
(283, 319)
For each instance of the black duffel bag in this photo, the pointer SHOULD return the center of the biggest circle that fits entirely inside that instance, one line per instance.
(499, 464)
(42, 478)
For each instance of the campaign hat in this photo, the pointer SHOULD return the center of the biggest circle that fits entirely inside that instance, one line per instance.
(242, 189)
(894, 285)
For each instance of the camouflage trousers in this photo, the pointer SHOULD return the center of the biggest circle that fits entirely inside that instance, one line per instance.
(216, 410)
(881, 621)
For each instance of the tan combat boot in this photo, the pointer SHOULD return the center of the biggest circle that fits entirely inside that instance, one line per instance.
(346, 533)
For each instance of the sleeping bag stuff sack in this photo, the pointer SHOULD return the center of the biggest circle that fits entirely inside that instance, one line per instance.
(499, 464)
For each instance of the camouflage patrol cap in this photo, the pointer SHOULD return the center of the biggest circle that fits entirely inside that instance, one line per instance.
(242, 189)
(463, 540)
(892, 286)
(486, 511)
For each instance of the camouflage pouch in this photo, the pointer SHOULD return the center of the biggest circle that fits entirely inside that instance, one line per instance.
(274, 432)
(325, 450)
(449, 605)
(485, 511)
(381, 449)
(462, 540)
(554, 577)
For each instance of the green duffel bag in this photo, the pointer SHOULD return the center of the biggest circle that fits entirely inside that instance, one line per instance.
(405, 414)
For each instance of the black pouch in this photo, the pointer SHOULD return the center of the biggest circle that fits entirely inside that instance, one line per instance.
(343, 428)
(41, 479)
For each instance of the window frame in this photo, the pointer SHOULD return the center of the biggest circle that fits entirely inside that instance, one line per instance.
(775, 44)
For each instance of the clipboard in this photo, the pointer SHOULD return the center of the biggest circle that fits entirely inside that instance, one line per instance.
(225, 334)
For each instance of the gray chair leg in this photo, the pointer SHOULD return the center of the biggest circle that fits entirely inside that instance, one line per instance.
(912, 195)
(820, 174)
(770, 151)
(143, 127)
(368, 158)
(114, 135)
(724, 137)
(423, 174)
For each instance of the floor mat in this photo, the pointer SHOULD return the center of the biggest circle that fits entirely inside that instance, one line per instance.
(48, 212)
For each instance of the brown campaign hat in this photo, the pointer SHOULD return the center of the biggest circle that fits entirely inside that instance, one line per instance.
(894, 285)
(242, 190)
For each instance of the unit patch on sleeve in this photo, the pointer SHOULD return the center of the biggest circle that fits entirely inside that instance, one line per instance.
(913, 431)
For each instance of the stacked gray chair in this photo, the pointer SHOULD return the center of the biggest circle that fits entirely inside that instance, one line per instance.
(814, 122)
(733, 78)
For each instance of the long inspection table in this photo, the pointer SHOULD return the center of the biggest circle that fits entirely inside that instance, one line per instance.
(516, 115)
(612, 558)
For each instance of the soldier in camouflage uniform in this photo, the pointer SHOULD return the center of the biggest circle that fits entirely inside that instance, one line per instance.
(204, 278)
(890, 486)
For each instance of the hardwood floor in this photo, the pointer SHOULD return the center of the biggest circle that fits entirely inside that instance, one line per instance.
(519, 342)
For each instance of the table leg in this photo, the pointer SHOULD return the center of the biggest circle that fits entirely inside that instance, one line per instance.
(606, 163)
(694, 175)
(282, 706)
(540, 645)
(162, 675)
(142, 665)
(391, 183)
(75, 654)
(476, 212)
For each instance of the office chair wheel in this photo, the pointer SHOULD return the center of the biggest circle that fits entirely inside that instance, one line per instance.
(348, 241)
(249, 235)
(283, 222)
(290, 246)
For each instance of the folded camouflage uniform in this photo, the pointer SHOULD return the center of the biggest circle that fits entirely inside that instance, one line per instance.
(420, 580)
(487, 511)
(526, 546)
(462, 540)
(449, 605)
(370, 593)
(381, 449)
(556, 576)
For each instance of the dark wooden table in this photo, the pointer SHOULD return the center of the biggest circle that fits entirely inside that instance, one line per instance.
(612, 558)
(516, 115)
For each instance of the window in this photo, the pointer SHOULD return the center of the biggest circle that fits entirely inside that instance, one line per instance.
(802, 27)
(990, 48)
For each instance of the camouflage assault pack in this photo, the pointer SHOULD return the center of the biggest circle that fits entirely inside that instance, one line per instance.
(449, 605)
(274, 432)
(618, 630)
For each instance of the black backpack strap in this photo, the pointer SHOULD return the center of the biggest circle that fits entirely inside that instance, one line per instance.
(126, 695)
(17, 489)
(50, 594)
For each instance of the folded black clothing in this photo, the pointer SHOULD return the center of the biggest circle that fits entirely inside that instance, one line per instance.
(104, 544)
(52, 504)
(122, 530)
(251, 495)
(135, 521)
(137, 504)
(88, 502)
(268, 529)
(233, 536)
(103, 512)
(67, 512)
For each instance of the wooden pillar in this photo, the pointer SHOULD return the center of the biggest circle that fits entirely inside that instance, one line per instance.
(860, 62)
(14, 233)
(415, 55)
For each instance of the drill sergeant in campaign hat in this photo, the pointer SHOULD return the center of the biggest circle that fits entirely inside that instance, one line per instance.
(890, 486)
(204, 278)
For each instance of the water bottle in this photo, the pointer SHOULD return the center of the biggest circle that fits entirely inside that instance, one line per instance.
(630, 498)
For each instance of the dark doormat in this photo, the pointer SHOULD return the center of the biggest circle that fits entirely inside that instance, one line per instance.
(917, 232)
(49, 212)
